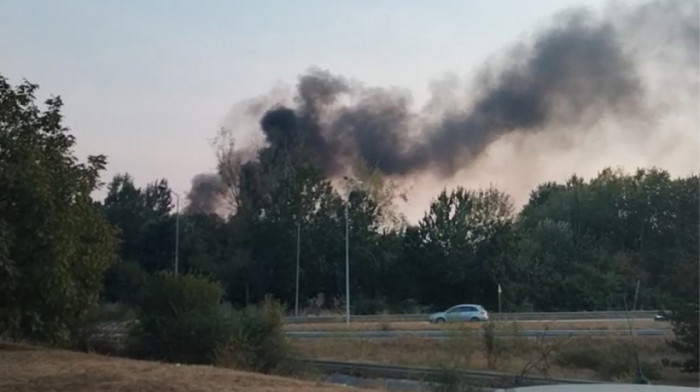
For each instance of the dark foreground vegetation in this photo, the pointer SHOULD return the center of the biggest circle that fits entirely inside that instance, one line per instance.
(580, 245)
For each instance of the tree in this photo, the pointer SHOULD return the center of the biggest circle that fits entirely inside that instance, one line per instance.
(601, 236)
(453, 240)
(52, 235)
(146, 230)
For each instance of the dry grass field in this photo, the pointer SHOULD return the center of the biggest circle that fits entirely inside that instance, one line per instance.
(30, 369)
(606, 358)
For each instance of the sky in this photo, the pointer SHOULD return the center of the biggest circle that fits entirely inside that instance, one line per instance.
(149, 83)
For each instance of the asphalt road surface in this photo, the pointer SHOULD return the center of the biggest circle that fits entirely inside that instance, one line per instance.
(443, 334)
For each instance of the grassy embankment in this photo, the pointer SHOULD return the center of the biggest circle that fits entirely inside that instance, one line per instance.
(29, 369)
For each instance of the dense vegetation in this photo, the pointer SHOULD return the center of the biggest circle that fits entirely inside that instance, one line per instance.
(55, 243)
(580, 245)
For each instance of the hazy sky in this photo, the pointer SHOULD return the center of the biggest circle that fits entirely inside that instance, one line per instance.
(148, 83)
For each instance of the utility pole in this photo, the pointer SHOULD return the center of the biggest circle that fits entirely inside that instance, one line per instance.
(499, 297)
(636, 295)
(296, 298)
(347, 264)
(177, 231)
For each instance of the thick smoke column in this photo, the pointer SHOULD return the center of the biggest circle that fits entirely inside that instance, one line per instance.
(573, 70)
(573, 73)
(556, 86)
(206, 195)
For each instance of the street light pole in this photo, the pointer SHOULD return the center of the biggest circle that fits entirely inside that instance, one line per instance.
(177, 230)
(296, 298)
(347, 265)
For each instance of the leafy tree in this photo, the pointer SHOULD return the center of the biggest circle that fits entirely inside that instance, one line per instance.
(453, 238)
(52, 235)
(616, 229)
(146, 229)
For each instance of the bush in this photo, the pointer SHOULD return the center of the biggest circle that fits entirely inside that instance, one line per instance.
(257, 341)
(180, 320)
(494, 348)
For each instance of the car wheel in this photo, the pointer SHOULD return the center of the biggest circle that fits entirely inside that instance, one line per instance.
(474, 319)
(440, 320)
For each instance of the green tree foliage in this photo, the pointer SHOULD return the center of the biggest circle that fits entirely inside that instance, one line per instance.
(54, 241)
(147, 232)
(180, 319)
(257, 341)
(584, 245)
(454, 246)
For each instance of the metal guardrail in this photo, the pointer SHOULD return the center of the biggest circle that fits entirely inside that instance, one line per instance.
(493, 316)
(482, 378)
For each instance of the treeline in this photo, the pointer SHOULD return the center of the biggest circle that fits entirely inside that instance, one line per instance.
(580, 245)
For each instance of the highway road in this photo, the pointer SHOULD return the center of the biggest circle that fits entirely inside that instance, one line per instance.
(443, 334)
(533, 316)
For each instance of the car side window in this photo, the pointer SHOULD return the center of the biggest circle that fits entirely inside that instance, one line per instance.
(469, 309)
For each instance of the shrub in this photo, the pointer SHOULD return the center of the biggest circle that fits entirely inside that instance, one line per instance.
(494, 348)
(180, 320)
(257, 341)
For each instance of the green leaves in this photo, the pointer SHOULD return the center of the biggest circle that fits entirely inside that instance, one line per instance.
(456, 240)
(590, 241)
(52, 236)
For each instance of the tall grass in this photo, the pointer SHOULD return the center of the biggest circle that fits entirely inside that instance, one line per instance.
(611, 360)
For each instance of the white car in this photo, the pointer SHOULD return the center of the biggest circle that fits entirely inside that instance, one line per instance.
(460, 313)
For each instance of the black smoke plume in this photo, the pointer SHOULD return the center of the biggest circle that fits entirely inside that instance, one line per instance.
(582, 69)
(206, 195)
(574, 73)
